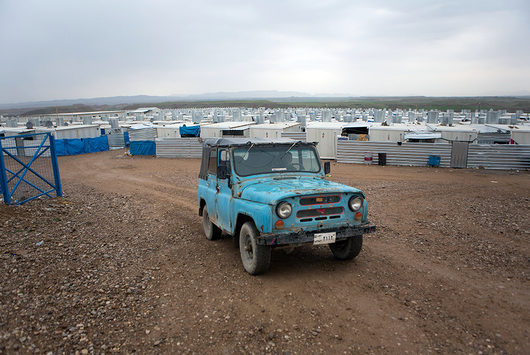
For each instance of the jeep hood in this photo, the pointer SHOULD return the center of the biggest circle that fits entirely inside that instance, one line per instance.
(270, 190)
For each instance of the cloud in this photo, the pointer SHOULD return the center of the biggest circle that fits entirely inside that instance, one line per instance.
(66, 49)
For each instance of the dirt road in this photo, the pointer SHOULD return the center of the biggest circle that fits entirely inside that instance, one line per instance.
(124, 266)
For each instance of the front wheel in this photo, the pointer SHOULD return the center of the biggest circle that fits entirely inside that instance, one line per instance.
(347, 249)
(211, 231)
(256, 258)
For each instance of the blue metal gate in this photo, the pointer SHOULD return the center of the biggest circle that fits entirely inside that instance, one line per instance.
(28, 168)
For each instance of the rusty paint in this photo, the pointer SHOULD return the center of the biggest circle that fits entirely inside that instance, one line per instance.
(262, 227)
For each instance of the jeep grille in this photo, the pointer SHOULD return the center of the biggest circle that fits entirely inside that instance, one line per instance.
(319, 212)
(318, 200)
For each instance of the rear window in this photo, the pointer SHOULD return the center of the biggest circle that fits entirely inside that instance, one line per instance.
(212, 165)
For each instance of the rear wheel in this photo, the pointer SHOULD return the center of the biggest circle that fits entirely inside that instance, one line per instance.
(255, 258)
(347, 249)
(211, 231)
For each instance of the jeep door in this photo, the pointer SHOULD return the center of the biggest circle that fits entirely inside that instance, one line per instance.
(210, 185)
(223, 198)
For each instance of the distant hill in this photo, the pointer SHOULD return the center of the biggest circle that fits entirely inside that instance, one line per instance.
(138, 99)
(269, 99)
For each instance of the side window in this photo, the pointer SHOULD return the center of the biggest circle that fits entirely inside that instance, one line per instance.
(307, 159)
(224, 158)
(212, 165)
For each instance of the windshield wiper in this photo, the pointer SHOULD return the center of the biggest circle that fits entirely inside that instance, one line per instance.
(246, 153)
(291, 147)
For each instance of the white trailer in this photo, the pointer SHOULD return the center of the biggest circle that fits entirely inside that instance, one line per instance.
(393, 133)
(273, 130)
(168, 131)
(73, 131)
(521, 135)
(325, 133)
(225, 129)
(457, 133)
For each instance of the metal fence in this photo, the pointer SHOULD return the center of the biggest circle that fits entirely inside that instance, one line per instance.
(499, 156)
(490, 156)
(192, 148)
(178, 148)
(142, 134)
(116, 140)
(28, 168)
(493, 156)
(411, 154)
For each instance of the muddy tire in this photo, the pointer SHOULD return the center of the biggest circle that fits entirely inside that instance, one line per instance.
(255, 258)
(347, 249)
(211, 231)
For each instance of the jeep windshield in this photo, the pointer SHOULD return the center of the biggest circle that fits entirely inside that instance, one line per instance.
(270, 159)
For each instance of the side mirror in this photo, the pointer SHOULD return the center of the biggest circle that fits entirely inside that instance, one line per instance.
(327, 167)
(222, 172)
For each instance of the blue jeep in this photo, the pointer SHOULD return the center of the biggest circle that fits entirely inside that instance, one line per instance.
(273, 193)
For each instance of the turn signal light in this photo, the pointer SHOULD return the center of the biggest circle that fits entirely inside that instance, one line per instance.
(278, 224)
(358, 216)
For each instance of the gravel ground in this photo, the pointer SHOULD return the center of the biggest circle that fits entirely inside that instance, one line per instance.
(120, 264)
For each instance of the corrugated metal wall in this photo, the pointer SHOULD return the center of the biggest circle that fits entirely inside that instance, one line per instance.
(411, 154)
(491, 138)
(298, 136)
(499, 156)
(178, 148)
(491, 156)
(116, 140)
(142, 134)
(408, 154)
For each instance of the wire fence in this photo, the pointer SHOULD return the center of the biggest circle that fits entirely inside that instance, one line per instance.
(28, 168)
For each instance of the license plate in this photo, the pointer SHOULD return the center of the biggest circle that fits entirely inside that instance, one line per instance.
(325, 238)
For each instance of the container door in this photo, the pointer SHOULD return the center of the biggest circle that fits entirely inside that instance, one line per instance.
(459, 154)
(224, 193)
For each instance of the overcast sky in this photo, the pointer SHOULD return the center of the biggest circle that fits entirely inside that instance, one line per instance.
(79, 49)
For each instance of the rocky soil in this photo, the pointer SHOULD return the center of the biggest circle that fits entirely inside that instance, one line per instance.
(120, 264)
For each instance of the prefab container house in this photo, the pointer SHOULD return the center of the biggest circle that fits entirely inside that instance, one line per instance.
(325, 133)
(73, 131)
(273, 130)
(521, 135)
(169, 131)
(457, 133)
(394, 133)
(225, 129)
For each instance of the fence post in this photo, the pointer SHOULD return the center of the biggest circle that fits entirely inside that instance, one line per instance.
(55, 165)
(3, 176)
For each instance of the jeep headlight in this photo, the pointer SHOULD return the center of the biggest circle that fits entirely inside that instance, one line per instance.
(355, 203)
(284, 210)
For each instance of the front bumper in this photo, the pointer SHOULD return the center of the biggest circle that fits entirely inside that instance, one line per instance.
(309, 236)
